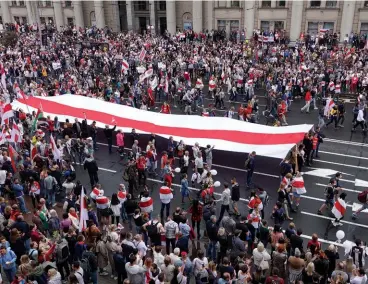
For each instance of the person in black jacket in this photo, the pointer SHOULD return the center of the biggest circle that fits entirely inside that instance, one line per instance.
(130, 205)
(212, 230)
(108, 134)
(91, 166)
(296, 241)
(120, 262)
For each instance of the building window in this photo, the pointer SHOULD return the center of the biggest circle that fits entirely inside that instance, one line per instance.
(234, 25)
(50, 20)
(141, 6)
(221, 25)
(235, 4)
(14, 3)
(265, 26)
(24, 20)
(331, 4)
(366, 4)
(16, 19)
(68, 3)
(221, 4)
(21, 3)
(312, 28)
(364, 29)
(1, 20)
(70, 21)
(187, 21)
(266, 4)
(92, 17)
(315, 4)
(48, 3)
(43, 20)
(281, 3)
(162, 5)
(279, 25)
(329, 26)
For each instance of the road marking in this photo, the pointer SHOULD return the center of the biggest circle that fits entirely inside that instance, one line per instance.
(102, 169)
(344, 189)
(343, 155)
(319, 199)
(332, 219)
(345, 142)
(339, 164)
(215, 165)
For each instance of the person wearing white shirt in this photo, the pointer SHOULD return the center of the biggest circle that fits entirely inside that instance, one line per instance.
(199, 262)
(199, 163)
(78, 272)
(359, 277)
(196, 150)
(185, 162)
(360, 120)
(140, 245)
(225, 198)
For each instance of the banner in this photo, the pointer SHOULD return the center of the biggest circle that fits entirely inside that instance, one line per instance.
(227, 134)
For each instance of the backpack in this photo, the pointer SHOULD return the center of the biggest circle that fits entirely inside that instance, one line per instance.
(362, 197)
(62, 252)
(92, 260)
(152, 230)
(31, 253)
(84, 263)
(247, 163)
(280, 213)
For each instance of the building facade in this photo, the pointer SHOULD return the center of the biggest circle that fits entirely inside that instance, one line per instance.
(294, 17)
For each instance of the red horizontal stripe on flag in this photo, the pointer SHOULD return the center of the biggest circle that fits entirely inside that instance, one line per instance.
(298, 184)
(227, 135)
(165, 190)
(146, 203)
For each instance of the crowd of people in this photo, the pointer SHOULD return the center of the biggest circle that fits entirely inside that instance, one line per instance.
(139, 71)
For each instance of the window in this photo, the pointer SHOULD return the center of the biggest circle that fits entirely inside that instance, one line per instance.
(1, 20)
(279, 25)
(235, 4)
(141, 6)
(221, 25)
(331, 4)
(266, 4)
(364, 29)
(21, 3)
(221, 4)
(234, 25)
(366, 4)
(24, 20)
(50, 20)
(162, 5)
(281, 3)
(68, 3)
(329, 26)
(48, 3)
(265, 26)
(70, 21)
(16, 19)
(14, 3)
(43, 20)
(92, 16)
(312, 28)
(315, 4)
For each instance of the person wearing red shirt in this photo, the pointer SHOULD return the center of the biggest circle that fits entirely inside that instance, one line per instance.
(314, 244)
(274, 278)
(165, 108)
(141, 166)
(308, 99)
(281, 111)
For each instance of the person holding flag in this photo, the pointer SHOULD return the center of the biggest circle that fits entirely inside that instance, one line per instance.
(339, 209)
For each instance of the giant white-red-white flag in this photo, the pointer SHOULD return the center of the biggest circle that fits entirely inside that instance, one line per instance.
(227, 135)
(15, 135)
(83, 213)
(6, 113)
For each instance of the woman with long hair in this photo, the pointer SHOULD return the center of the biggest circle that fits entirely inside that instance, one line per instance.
(116, 208)
(197, 211)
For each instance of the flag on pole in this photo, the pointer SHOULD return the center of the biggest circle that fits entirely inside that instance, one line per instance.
(39, 115)
(15, 134)
(6, 113)
(33, 151)
(54, 148)
(13, 155)
(329, 105)
(83, 213)
(142, 54)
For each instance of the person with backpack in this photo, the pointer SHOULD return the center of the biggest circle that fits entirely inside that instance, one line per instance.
(62, 256)
(80, 247)
(362, 198)
(54, 223)
(154, 230)
(78, 272)
(89, 265)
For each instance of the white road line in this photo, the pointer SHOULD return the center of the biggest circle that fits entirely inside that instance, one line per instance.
(345, 142)
(344, 189)
(215, 165)
(319, 199)
(332, 219)
(102, 169)
(339, 164)
(343, 155)
(322, 240)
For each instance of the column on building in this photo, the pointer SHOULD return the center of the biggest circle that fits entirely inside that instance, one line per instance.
(197, 16)
(296, 20)
(347, 19)
(78, 14)
(273, 3)
(249, 10)
(209, 16)
(152, 10)
(30, 12)
(6, 12)
(171, 16)
(59, 15)
(100, 14)
(129, 15)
